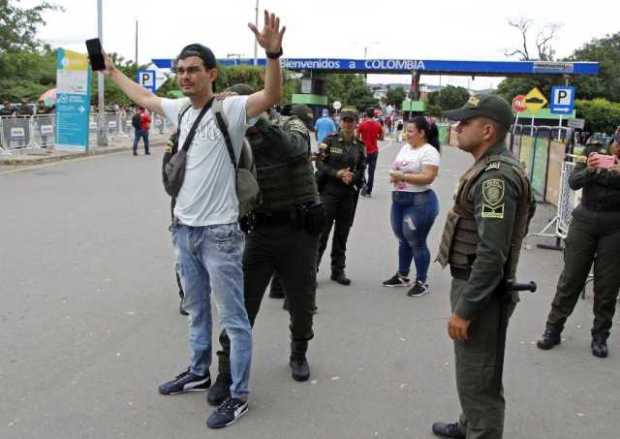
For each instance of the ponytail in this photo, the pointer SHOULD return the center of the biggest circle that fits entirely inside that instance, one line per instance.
(431, 132)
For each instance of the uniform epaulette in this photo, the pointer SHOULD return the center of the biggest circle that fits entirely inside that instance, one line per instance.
(493, 165)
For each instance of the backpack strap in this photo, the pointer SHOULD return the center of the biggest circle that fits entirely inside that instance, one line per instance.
(220, 119)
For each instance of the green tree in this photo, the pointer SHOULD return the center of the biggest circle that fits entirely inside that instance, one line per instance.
(606, 84)
(113, 94)
(395, 96)
(351, 90)
(449, 97)
(18, 26)
(600, 114)
(27, 74)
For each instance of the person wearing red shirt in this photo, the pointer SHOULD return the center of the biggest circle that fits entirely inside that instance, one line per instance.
(369, 132)
(141, 123)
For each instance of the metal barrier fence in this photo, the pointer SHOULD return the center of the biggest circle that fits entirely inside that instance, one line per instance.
(567, 200)
(21, 133)
(540, 153)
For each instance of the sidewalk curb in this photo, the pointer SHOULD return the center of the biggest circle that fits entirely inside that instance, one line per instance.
(28, 160)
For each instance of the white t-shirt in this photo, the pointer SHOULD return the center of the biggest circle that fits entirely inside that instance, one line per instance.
(208, 195)
(411, 160)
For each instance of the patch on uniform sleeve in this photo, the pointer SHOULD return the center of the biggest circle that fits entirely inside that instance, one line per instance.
(493, 165)
(493, 191)
(295, 124)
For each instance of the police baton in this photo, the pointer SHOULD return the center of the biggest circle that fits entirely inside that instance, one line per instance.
(511, 285)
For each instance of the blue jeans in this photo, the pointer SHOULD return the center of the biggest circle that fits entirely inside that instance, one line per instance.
(209, 260)
(412, 216)
(144, 135)
(371, 163)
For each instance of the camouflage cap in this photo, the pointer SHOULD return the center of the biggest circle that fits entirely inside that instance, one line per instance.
(491, 106)
(241, 89)
(305, 114)
(349, 113)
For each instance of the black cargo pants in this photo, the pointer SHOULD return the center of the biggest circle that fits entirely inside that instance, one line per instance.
(291, 252)
(340, 210)
(588, 243)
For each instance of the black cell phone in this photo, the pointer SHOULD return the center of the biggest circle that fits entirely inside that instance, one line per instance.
(95, 54)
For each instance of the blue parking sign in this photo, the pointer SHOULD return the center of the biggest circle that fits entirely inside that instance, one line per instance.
(146, 78)
(562, 100)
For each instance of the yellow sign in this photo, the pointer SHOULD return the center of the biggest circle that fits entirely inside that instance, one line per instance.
(535, 100)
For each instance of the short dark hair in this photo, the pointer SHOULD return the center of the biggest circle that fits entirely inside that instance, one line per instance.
(370, 112)
(500, 129)
(202, 52)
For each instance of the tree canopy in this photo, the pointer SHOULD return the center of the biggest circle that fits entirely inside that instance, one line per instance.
(350, 90)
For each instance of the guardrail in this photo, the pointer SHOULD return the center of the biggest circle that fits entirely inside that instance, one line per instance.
(23, 133)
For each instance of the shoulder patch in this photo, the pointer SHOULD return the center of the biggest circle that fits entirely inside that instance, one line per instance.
(493, 192)
(492, 165)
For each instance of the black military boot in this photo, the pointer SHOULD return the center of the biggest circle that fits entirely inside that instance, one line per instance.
(599, 346)
(220, 389)
(549, 339)
(454, 430)
(300, 369)
(341, 278)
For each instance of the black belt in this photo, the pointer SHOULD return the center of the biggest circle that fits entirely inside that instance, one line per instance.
(460, 273)
(276, 218)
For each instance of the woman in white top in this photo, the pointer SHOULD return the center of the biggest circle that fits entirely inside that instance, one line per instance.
(414, 203)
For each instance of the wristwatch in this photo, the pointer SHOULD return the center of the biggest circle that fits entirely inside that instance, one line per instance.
(275, 55)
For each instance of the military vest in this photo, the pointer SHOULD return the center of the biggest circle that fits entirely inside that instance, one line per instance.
(460, 236)
(285, 175)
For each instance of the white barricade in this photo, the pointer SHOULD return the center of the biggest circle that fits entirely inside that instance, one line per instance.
(16, 132)
(567, 201)
(43, 135)
(21, 132)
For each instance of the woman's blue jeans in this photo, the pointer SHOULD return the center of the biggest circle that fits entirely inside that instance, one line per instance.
(412, 216)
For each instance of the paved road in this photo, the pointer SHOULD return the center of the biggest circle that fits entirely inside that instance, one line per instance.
(89, 327)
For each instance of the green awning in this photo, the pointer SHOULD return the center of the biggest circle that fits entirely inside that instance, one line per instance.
(308, 99)
(545, 113)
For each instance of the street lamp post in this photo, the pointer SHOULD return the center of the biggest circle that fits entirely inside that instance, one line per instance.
(366, 46)
(256, 42)
(102, 138)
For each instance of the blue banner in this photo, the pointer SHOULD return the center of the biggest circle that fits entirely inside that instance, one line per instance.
(73, 79)
(407, 66)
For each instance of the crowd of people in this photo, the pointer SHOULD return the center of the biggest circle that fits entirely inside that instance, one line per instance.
(231, 258)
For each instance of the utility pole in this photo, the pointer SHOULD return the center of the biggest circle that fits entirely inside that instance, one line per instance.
(256, 42)
(136, 58)
(102, 138)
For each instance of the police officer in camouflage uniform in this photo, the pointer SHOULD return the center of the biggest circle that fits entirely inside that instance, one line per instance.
(481, 243)
(340, 175)
(284, 237)
(593, 238)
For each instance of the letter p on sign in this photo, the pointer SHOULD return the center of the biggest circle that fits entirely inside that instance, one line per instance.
(562, 99)
(146, 78)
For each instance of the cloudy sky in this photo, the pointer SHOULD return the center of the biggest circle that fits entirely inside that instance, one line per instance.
(448, 30)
